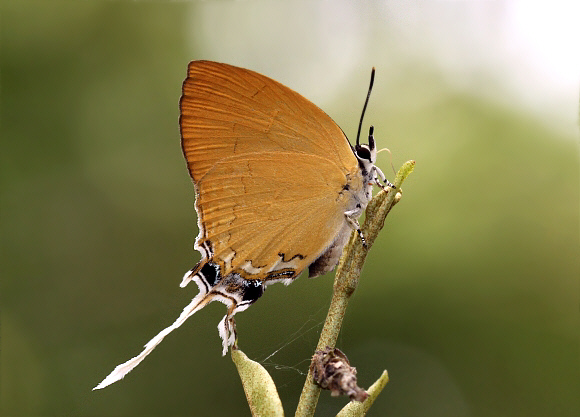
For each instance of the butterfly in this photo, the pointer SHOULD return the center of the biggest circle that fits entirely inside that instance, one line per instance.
(278, 189)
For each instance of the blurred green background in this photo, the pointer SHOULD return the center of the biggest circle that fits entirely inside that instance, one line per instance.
(470, 296)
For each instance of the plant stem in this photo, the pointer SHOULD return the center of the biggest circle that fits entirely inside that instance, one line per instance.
(347, 276)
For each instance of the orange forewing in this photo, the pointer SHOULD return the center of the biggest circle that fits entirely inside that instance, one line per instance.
(226, 111)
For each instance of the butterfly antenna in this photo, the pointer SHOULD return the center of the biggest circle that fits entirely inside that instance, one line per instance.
(365, 106)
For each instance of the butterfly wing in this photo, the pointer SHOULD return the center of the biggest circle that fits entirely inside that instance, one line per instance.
(268, 215)
(226, 111)
(243, 131)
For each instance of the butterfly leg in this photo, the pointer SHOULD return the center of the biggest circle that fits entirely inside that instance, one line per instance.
(381, 177)
(378, 175)
(227, 330)
(351, 216)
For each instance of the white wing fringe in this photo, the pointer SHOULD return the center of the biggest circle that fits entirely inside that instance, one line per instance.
(186, 278)
(123, 369)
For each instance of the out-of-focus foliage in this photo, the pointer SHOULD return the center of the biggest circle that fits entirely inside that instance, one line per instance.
(478, 317)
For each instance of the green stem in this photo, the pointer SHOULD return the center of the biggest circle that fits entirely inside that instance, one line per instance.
(347, 276)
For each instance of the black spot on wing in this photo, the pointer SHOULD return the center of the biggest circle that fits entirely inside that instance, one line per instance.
(211, 274)
(252, 290)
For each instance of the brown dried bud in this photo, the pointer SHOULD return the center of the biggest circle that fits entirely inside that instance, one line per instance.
(331, 370)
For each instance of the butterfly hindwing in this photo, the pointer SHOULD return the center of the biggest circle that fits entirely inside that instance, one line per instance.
(258, 219)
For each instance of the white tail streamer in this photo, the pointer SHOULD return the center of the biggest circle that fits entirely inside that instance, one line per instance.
(199, 301)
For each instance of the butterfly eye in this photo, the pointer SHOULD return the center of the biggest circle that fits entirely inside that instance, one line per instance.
(363, 152)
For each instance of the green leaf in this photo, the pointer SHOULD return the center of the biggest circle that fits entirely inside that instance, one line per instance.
(258, 385)
(356, 409)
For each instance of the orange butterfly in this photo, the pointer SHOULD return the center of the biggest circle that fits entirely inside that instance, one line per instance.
(278, 189)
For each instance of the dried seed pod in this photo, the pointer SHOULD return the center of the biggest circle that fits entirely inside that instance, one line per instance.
(331, 370)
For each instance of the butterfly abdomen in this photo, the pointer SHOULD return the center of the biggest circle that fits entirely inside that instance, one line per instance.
(328, 260)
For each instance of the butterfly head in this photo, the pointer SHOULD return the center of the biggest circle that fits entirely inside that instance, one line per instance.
(366, 153)
(367, 156)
